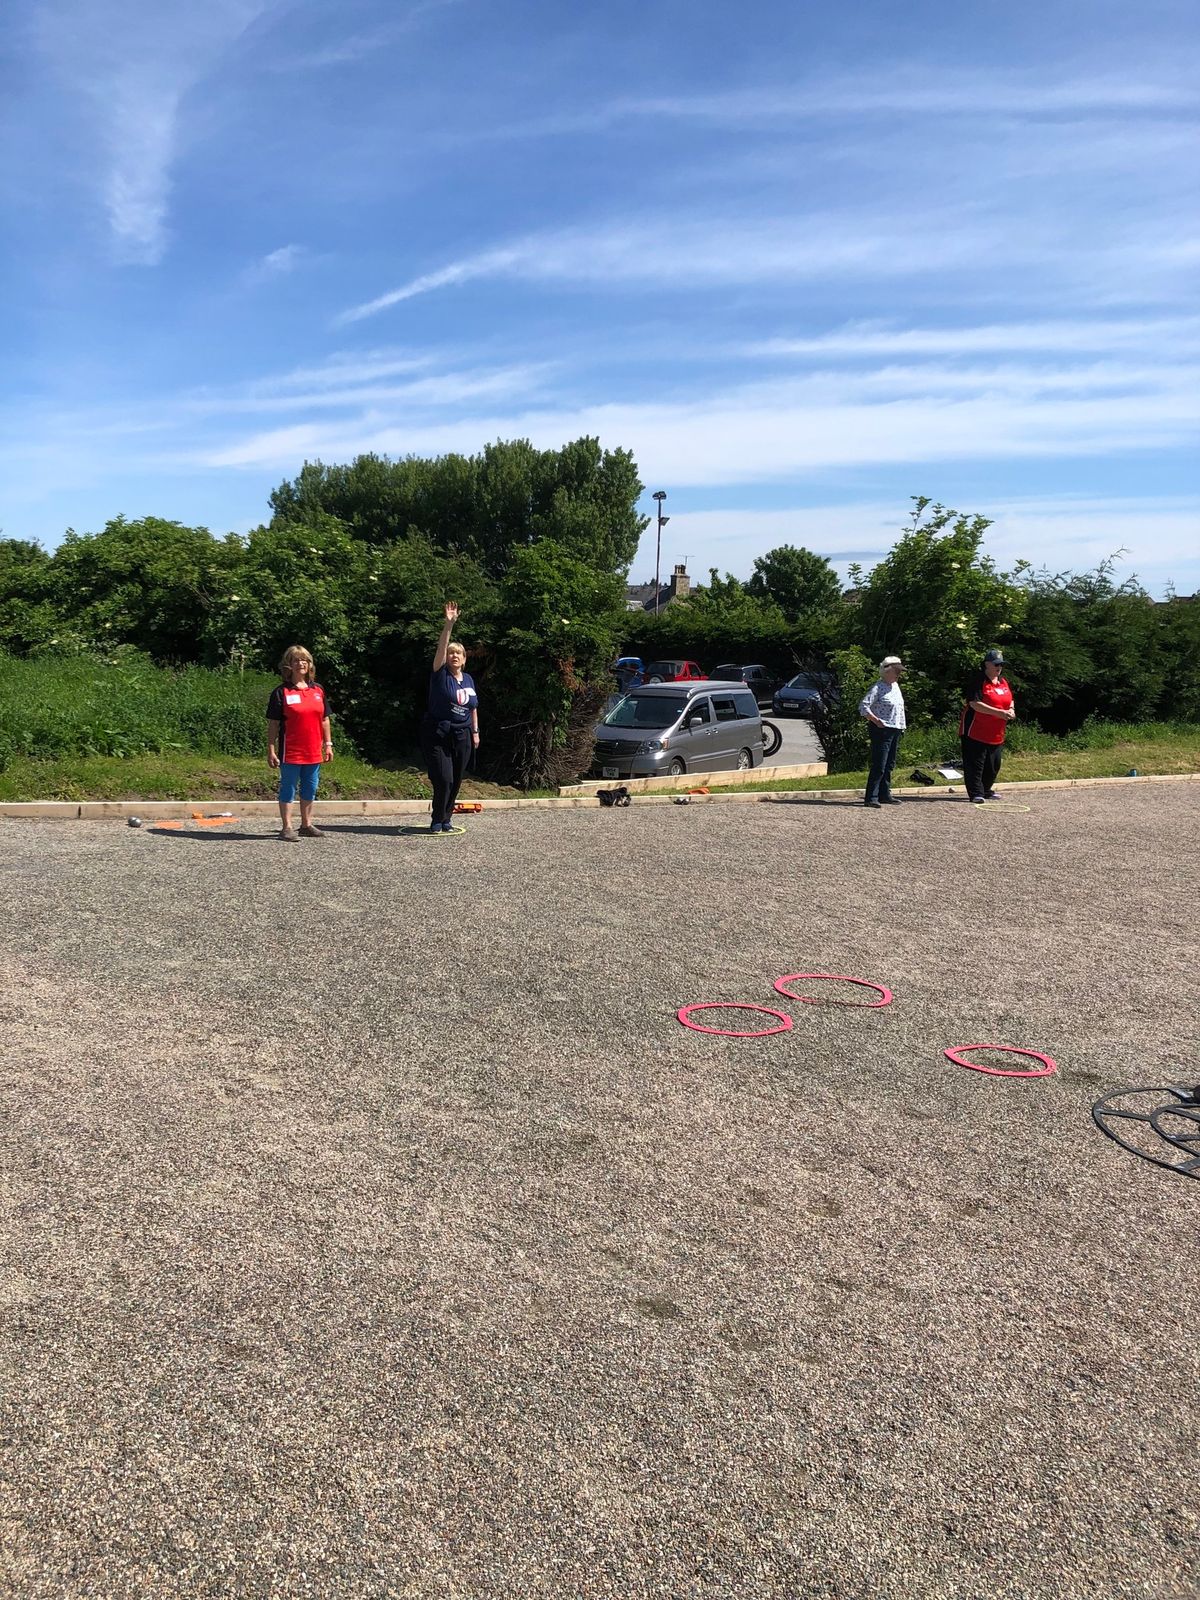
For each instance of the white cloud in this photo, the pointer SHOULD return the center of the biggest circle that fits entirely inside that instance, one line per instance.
(713, 252)
(1160, 534)
(441, 389)
(274, 265)
(286, 259)
(488, 264)
(780, 431)
(912, 91)
(134, 62)
(1163, 334)
(355, 46)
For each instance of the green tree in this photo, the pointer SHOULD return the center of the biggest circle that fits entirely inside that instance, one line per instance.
(28, 619)
(485, 507)
(801, 583)
(939, 602)
(1087, 646)
(558, 621)
(151, 584)
(299, 582)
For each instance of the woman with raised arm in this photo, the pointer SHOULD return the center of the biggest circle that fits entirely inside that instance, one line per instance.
(450, 728)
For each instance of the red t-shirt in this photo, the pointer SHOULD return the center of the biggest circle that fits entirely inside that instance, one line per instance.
(300, 710)
(978, 725)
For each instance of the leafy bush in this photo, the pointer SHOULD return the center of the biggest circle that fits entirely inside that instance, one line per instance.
(838, 724)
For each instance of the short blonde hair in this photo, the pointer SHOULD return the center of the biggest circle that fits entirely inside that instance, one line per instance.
(454, 645)
(294, 653)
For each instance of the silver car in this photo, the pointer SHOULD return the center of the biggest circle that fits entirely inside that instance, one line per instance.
(678, 727)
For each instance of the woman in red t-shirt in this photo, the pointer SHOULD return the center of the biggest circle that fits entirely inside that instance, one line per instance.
(985, 716)
(298, 739)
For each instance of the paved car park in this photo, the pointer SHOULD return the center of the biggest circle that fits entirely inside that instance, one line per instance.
(372, 1227)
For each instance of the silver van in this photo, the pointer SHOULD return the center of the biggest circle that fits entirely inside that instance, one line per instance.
(679, 727)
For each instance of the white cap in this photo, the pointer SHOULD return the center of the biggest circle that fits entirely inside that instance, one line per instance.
(891, 661)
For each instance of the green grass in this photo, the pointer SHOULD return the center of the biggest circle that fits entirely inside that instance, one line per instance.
(179, 775)
(53, 708)
(184, 775)
(1150, 747)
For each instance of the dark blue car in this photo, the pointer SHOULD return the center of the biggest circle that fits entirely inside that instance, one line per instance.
(803, 695)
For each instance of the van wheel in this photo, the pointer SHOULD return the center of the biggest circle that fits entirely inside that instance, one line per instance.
(745, 761)
(677, 768)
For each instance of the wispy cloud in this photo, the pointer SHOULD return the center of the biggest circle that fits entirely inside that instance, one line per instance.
(911, 91)
(908, 89)
(355, 46)
(275, 264)
(710, 252)
(443, 390)
(488, 264)
(1159, 533)
(781, 431)
(1165, 335)
(134, 62)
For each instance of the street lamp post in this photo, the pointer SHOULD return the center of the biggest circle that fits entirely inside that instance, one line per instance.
(659, 495)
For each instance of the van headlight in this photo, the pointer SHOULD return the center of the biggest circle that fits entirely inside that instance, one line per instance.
(651, 747)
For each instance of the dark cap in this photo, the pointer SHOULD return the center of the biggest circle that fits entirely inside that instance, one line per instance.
(994, 656)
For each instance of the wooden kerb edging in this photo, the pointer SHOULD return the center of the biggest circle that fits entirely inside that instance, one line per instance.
(156, 810)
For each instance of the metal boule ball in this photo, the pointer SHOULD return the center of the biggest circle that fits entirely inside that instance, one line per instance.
(135, 822)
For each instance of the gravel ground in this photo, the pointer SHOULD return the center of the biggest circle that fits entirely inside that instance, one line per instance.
(371, 1226)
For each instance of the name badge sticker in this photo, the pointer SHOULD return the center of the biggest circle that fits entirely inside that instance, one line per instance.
(292, 699)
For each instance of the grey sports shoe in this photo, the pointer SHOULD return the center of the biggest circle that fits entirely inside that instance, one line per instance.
(289, 836)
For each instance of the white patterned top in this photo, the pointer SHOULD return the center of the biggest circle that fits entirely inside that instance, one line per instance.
(885, 701)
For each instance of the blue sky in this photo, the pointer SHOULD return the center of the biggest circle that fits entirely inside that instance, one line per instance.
(803, 260)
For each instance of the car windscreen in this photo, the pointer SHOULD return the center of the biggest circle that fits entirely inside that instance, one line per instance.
(645, 711)
(664, 669)
(805, 680)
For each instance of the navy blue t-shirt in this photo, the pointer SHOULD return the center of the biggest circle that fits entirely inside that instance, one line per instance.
(449, 700)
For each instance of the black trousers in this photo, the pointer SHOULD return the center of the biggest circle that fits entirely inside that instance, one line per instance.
(981, 766)
(446, 757)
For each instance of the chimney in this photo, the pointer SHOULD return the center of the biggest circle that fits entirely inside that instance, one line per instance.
(681, 584)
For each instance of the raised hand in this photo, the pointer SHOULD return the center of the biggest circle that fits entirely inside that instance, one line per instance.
(451, 610)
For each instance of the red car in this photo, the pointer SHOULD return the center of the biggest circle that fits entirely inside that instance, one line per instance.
(673, 672)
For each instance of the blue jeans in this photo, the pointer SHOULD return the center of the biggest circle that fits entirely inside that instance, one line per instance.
(884, 744)
(306, 774)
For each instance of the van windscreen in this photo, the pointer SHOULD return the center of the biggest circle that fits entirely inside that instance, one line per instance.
(645, 711)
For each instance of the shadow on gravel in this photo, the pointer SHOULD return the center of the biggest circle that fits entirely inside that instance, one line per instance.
(394, 832)
(223, 837)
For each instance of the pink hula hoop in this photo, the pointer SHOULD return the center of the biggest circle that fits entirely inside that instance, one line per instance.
(684, 1015)
(1044, 1071)
(834, 977)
